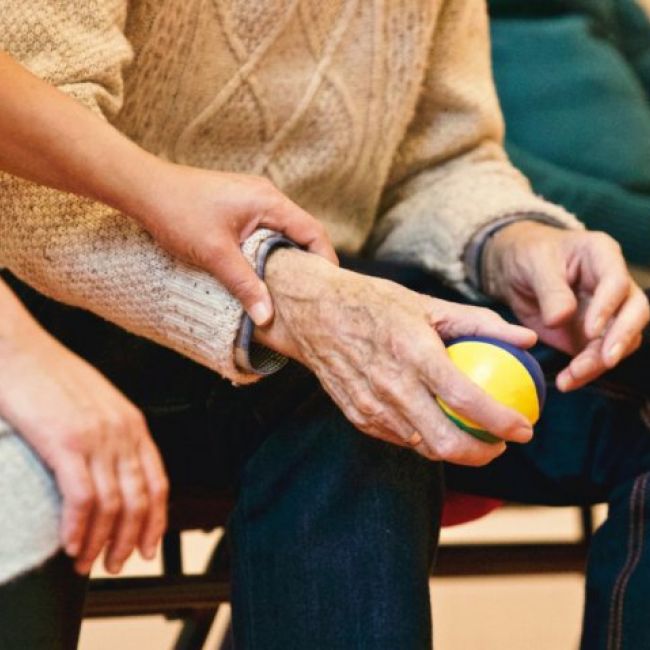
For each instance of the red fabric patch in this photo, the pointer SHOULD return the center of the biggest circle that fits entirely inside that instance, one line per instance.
(460, 508)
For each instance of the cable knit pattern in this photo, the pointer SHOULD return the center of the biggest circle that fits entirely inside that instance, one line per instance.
(377, 116)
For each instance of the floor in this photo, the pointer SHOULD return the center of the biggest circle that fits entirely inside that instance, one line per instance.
(517, 613)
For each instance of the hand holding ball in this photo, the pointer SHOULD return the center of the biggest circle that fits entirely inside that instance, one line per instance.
(508, 374)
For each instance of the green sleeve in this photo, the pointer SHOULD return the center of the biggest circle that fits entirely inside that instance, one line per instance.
(601, 205)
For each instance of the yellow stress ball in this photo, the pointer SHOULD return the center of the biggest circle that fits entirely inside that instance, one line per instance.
(507, 373)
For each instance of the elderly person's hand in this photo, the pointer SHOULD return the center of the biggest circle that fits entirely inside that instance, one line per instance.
(573, 288)
(378, 350)
(108, 469)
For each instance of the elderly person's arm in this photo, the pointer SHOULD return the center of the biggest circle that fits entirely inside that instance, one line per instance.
(452, 190)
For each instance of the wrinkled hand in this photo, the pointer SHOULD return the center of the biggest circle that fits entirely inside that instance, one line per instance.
(96, 443)
(378, 350)
(573, 288)
(202, 217)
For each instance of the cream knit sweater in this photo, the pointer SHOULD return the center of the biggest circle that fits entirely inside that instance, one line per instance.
(379, 117)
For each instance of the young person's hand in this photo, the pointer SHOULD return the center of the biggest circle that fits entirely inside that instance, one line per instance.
(574, 289)
(199, 216)
(202, 217)
(96, 443)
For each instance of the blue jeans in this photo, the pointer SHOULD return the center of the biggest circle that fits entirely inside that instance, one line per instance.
(334, 533)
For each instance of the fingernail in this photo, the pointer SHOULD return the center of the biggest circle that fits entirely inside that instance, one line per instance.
(563, 381)
(614, 353)
(115, 567)
(525, 433)
(260, 312)
(149, 552)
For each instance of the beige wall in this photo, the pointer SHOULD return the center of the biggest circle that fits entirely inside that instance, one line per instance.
(645, 4)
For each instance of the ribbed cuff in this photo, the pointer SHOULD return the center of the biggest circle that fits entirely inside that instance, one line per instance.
(473, 255)
(203, 321)
(249, 355)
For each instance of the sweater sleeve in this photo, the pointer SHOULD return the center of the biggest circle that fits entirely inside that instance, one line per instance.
(81, 252)
(451, 176)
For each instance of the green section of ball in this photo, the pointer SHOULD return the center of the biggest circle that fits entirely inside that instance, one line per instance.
(481, 434)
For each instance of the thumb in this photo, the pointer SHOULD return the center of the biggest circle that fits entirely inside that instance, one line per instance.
(233, 270)
(556, 299)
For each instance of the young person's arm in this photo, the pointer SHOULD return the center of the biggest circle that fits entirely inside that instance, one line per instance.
(198, 216)
(96, 443)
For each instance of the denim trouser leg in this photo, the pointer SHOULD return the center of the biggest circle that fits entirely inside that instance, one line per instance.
(591, 446)
(334, 536)
(333, 533)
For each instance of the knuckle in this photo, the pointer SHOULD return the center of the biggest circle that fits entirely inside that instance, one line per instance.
(137, 506)
(244, 286)
(605, 241)
(357, 420)
(110, 504)
(458, 399)
(83, 500)
(137, 421)
(446, 448)
(160, 489)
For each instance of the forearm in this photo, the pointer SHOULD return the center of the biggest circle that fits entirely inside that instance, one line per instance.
(15, 318)
(51, 139)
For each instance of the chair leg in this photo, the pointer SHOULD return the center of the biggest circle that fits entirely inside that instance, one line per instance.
(172, 556)
(196, 630)
(587, 520)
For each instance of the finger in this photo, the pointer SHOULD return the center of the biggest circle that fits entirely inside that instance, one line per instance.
(78, 491)
(299, 226)
(611, 292)
(626, 327)
(158, 489)
(228, 265)
(467, 399)
(368, 412)
(557, 301)
(452, 321)
(126, 532)
(583, 368)
(442, 440)
(387, 432)
(105, 512)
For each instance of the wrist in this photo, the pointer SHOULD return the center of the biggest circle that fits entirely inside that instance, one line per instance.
(298, 283)
(15, 321)
(502, 245)
(138, 189)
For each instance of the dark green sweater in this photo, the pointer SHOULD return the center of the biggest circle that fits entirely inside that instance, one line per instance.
(574, 82)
